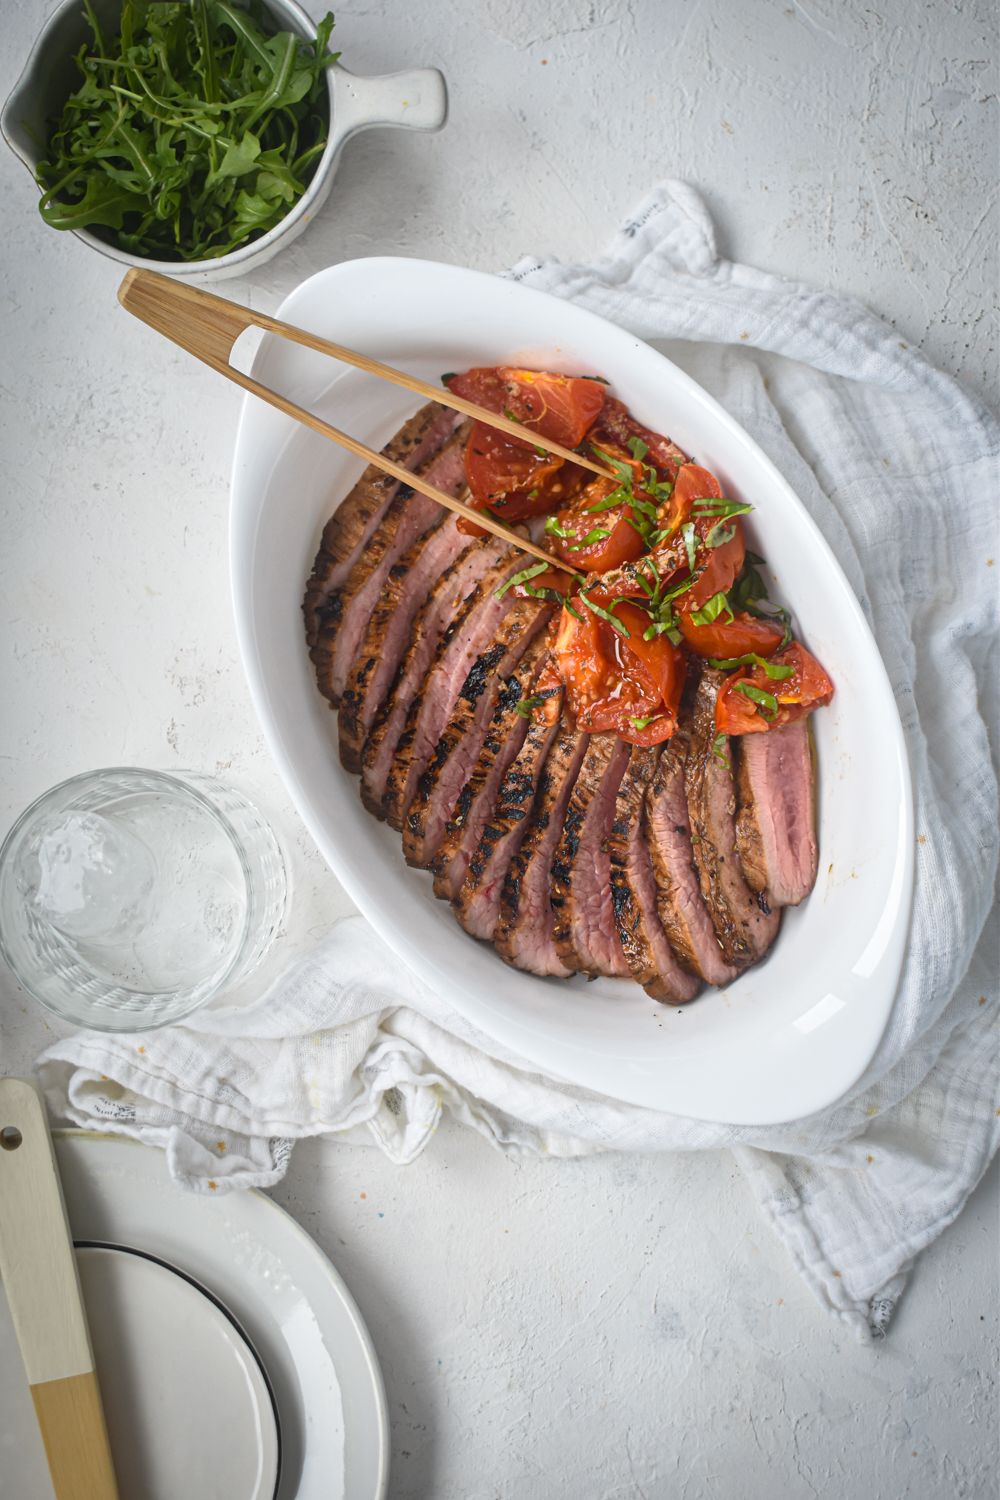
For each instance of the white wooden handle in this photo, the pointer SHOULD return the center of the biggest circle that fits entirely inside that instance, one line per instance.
(39, 1275)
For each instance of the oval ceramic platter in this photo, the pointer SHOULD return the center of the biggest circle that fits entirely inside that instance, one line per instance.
(792, 1034)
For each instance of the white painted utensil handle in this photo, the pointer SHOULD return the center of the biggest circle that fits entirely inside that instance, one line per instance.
(415, 100)
(39, 1275)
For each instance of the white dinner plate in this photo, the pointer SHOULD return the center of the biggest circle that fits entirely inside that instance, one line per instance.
(789, 1036)
(285, 1324)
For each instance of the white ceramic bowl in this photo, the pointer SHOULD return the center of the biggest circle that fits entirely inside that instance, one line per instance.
(415, 100)
(789, 1036)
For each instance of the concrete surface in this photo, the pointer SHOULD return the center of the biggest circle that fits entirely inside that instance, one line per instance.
(609, 1328)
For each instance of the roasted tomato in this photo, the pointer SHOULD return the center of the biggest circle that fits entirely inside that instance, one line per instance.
(717, 566)
(512, 481)
(616, 426)
(592, 539)
(615, 682)
(751, 702)
(560, 407)
(724, 638)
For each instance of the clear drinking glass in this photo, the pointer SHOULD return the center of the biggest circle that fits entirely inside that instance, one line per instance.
(128, 898)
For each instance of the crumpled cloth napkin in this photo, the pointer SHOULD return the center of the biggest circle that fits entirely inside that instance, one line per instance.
(898, 465)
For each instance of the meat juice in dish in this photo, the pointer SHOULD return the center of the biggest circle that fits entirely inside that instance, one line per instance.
(606, 763)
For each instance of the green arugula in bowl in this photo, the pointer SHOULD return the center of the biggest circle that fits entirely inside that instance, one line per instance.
(194, 130)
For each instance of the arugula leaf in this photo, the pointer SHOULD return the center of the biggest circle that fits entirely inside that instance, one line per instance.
(523, 577)
(767, 703)
(192, 130)
(711, 610)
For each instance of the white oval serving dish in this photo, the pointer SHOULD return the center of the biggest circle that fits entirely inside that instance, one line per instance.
(791, 1035)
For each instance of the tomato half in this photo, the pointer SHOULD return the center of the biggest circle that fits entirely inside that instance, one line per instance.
(726, 638)
(616, 425)
(515, 482)
(617, 684)
(807, 688)
(560, 407)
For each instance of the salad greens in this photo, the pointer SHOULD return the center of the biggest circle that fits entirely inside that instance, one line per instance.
(194, 130)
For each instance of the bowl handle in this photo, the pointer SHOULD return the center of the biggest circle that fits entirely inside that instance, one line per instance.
(416, 100)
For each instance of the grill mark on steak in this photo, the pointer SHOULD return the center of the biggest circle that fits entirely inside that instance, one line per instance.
(504, 737)
(455, 754)
(435, 623)
(473, 630)
(523, 933)
(477, 905)
(776, 820)
(360, 511)
(745, 923)
(584, 929)
(387, 634)
(347, 612)
(651, 960)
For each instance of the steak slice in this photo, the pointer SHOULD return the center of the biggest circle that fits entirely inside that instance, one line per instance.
(523, 934)
(472, 631)
(650, 958)
(505, 734)
(745, 922)
(584, 929)
(436, 619)
(776, 821)
(360, 511)
(682, 909)
(387, 634)
(457, 750)
(477, 905)
(348, 610)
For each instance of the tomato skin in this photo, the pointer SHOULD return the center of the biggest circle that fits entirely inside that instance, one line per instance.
(808, 688)
(724, 638)
(560, 407)
(514, 482)
(616, 425)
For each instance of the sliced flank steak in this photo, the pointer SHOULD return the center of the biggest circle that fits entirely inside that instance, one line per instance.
(505, 734)
(357, 515)
(745, 922)
(347, 612)
(477, 905)
(387, 634)
(584, 929)
(681, 906)
(776, 821)
(454, 756)
(437, 619)
(523, 934)
(651, 960)
(474, 629)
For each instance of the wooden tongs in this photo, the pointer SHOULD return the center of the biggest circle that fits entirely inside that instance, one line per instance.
(208, 326)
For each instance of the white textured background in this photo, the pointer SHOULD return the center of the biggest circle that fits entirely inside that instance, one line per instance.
(620, 1327)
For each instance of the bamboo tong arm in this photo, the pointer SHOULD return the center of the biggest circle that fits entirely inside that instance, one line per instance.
(208, 327)
(151, 296)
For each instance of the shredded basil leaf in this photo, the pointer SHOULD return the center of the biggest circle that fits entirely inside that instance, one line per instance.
(553, 526)
(604, 614)
(719, 535)
(708, 505)
(567, 605)
(690, 544)
(719, 750)
(638, 448)
(644, 723)
(767, 703)
(522, 577)
(711, 610)
(527, 706)
(776, 671)
(599, 534)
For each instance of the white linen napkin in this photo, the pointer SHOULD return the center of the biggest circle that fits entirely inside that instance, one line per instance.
(898, 466)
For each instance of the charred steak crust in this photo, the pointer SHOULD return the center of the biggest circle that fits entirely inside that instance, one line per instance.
(523, 934)
(680, 904)
(434, 625)
(650, 958)
(454, 756)
(387, 634)
(477, 905)
(360, 511)
(505, 734)
(470, 633)
(348, 611)
(776, 818)
(745, 923)
(584, 929)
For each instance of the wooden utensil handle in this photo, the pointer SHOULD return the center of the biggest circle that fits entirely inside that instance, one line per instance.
(40, 1279)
